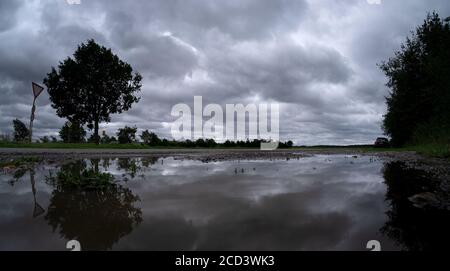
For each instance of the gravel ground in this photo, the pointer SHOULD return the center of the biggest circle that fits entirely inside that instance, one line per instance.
(215, 154)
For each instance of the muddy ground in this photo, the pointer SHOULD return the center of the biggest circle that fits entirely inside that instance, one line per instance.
(209, 154)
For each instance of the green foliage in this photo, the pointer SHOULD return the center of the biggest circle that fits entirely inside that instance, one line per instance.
(78, 176)
(419, 79)
(60, 145)
(21, 132)
(44, 139)
(94, 84)
(126, 135)
(164, 143)
(5, 138)
(86, 179)
(105, 139)
(72, 132)
(205, 143)
(150, 138)
(433, 150)
(18, 162)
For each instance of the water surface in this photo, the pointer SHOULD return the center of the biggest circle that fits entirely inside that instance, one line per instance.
(333, 202)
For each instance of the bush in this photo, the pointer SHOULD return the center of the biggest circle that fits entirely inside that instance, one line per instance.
(150, 138)
(77, 176)
(127, 135)
(72, 132)
(21, 132)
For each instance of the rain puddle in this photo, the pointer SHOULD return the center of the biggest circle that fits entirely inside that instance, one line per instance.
(333, 202)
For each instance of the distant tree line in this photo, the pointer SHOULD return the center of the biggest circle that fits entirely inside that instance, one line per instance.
(419, 79)
(75, 133)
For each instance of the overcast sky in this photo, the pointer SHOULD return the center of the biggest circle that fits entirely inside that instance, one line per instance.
(317, 58)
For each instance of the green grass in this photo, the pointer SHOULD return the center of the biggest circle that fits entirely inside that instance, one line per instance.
(362, 148)
(71, 146)
(428, 150)
(20, 161)
(60, 145)
(433, 150)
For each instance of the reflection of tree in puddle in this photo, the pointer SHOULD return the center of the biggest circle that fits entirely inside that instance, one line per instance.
(106, 162)
(149, 161)
(95, 216)
(132, 166)
(129, 165)
(412, 225)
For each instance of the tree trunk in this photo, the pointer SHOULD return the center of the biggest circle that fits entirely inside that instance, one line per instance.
(97, 138)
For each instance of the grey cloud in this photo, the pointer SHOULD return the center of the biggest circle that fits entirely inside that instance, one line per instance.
(8, 11)
(284, 72)
(317, 58)
(163, 56)
(248, 19)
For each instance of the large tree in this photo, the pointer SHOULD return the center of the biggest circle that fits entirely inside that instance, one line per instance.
(419, 79)
(94, 84)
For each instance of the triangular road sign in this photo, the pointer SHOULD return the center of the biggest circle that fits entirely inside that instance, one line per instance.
(37, 89)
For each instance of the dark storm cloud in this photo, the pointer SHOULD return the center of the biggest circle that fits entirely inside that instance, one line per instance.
(317, 58)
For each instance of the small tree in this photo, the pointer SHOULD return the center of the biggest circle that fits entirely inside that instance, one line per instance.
(150, 138)
(72, 133)
(127, 135)
(91, 86)
(45, 139)
(21, 132)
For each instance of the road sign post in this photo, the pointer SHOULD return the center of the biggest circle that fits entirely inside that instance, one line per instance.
(37, 90)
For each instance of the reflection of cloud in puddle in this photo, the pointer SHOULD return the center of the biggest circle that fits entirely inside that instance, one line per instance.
(321, 202)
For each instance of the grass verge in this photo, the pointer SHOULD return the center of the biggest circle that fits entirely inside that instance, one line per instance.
(71, 146)
(433, 150)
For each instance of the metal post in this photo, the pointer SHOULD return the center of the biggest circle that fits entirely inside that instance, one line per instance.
(37, 90)
(32, 119)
